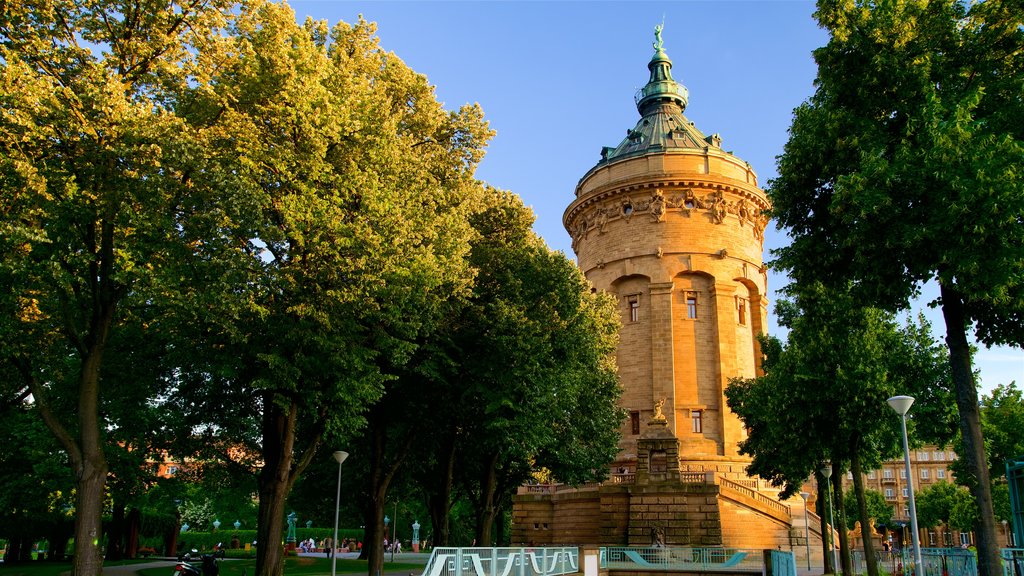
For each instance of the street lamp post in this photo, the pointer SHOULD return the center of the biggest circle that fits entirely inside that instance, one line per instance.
(807, 529)
(901, 405)
(826, 471)
(340, 457)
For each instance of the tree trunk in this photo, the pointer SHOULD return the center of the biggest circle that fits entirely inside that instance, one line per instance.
(92, 476)
(132, 543)
(90, 467)
(115, 533)
(439, 500)
(485, 506)
(866, 529)
(274, 483)
(845, 560)
(970, 428)
(373, 547)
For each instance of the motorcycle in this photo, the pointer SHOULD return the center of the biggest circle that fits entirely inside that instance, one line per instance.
(186, 569)
(209, 567)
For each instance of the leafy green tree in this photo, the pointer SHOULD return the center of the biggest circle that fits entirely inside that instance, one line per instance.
(347, 234)
(831, 381)
(935, 504)
(1002, 420)
(903, 168)
(91, 169)
(523, 377)
(878, 509)
(535, 366)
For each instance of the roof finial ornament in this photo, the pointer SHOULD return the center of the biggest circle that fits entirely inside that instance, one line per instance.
(658, 43)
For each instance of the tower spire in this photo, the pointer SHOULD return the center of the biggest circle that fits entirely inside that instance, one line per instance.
(661, 88)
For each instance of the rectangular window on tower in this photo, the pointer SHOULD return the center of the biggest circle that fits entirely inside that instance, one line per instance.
(634, 422)
(691, 305)
(634, 307)
(696, 417)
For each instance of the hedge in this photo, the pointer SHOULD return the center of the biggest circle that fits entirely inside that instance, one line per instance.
(207, 540)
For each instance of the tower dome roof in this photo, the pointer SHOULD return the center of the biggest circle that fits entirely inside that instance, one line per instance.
(662, 126)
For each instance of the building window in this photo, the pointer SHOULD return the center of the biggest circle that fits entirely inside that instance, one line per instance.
(906, 492)
(950, 455)
(965, 539)
(634, 307)
(922, 456)
(887, 473)
(903, 473)
(691, 305)
(634, 422)
(695, 417)
(924, 473)
(871, 475)
(938, 455)
(741, 310)
(889, 494)
(172, 470)
(849, 475)
(940, 473)
(931, 538)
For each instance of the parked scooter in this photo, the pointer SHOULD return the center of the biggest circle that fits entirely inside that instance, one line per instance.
(186, 569)
(208, 568)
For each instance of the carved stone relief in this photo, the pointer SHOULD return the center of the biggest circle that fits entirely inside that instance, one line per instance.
(658, 204)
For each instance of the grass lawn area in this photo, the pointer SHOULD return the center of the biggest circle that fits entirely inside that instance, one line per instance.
(302, 566)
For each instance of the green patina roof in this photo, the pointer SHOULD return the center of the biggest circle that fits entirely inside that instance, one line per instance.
(662, 126)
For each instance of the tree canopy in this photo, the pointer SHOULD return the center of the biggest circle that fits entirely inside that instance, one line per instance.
(823, 394)
(904, 168)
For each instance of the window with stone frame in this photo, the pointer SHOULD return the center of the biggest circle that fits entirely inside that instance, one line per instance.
(691, 305)
(633, 301)
(634, 422)
(696, 418)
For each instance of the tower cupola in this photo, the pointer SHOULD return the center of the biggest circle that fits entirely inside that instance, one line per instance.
(661, 88)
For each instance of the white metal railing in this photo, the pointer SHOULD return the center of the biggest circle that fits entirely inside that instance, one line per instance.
(682, 559)
(529, 561)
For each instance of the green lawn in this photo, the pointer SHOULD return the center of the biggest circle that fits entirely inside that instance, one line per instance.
(302, 566)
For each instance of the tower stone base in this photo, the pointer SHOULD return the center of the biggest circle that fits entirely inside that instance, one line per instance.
(668, 501)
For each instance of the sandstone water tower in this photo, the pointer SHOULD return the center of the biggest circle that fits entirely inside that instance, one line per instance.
(672, 225)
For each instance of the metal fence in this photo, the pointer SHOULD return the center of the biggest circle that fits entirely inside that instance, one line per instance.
(936, 562)
(783, 563)
(503, 561)
(683, 559)
(1013, 561)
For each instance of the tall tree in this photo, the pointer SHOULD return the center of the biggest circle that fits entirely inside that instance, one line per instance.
(91, 164)
(904, 167)
(527, 378)
(831, 380)
(346, 235)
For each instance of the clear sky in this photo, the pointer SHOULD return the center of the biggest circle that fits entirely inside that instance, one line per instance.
(556, 82)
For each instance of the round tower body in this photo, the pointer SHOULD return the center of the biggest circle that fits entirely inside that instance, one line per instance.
(673, 226)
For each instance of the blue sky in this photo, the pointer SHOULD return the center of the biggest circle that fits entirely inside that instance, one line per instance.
(556, 82)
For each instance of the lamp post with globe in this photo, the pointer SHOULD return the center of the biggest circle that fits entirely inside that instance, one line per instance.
(901, 405)
(340, 457)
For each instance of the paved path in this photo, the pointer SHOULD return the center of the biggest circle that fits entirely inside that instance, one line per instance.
(404, 557)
